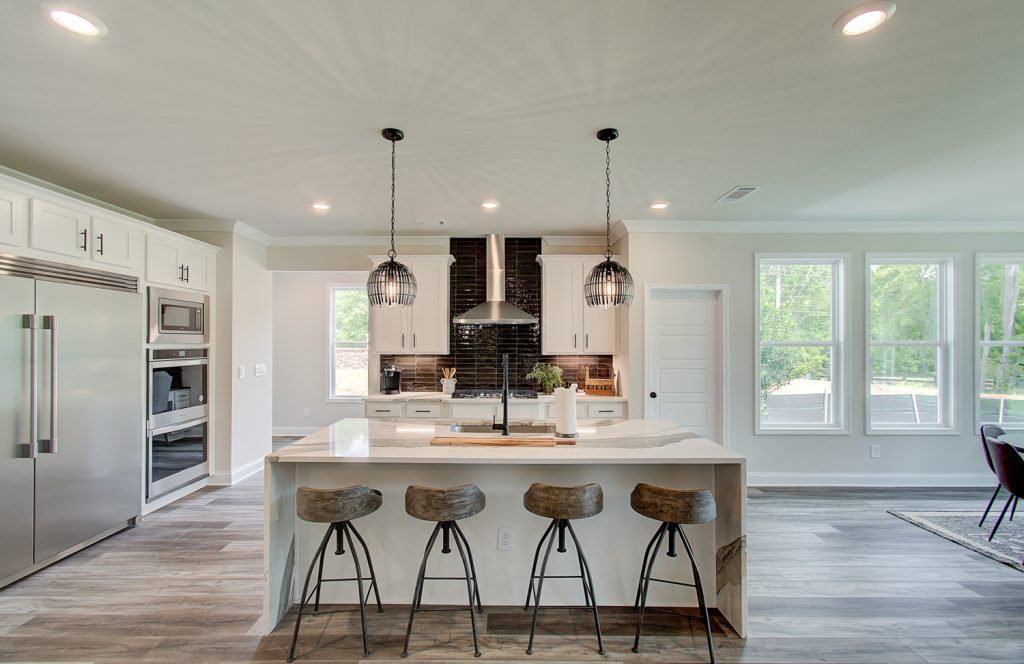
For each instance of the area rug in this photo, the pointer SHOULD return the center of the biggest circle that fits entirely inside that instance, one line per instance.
(962, 527)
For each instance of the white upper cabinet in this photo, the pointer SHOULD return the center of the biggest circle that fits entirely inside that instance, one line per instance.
(116, 243)
(423, 327)
(176, 263)
(60, 230)
(568, 325)
(13, 217)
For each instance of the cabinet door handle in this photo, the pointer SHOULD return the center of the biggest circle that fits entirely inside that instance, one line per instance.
(185, 268)
(574, 341)
(413, 339)
(586, 340)
(99, 249)
(403, 339)
(85, 241)
(181, 272)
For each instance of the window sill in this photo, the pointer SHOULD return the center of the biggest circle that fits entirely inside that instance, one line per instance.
(349, 398)
(803, 431)
(937, 431)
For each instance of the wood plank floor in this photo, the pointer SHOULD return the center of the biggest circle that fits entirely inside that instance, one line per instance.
(833, 578)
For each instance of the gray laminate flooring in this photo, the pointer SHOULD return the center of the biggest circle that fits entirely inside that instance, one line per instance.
(833, 578)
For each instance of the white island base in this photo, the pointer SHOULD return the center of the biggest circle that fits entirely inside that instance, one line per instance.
(391, 455)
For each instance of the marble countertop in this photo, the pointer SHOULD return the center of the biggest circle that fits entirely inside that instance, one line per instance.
(447, 398)
(362, 440)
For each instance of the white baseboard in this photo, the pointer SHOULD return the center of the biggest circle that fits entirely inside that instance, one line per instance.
(873, 479)
(236, 475)
(295, 431)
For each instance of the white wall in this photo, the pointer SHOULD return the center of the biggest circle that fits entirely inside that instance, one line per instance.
(301, 355)
(688, 258)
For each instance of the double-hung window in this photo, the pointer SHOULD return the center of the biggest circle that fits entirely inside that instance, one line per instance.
(348, 331)
(909, 328)
(1000, 372)
(800, 343)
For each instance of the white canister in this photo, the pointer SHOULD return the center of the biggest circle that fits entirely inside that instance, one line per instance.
(448, 385)
(565, 412)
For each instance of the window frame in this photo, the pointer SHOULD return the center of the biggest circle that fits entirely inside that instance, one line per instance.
(946, 341)
(840, 262)
(982, 258)
(332, 342)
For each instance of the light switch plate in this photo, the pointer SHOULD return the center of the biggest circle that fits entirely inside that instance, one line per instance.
(241, 371)
(261, 370)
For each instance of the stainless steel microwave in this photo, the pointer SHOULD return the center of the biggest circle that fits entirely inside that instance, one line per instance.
(178, 317)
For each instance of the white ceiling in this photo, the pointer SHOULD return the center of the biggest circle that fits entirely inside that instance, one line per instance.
(251, 109)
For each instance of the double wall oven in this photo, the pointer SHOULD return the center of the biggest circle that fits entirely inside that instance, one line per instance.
(178, 428)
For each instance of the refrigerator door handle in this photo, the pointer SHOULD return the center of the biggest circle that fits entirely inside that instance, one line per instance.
(32, 449)
(50, 323)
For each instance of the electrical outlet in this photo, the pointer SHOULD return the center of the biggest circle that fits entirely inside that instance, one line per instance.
(260, 370)
(241, 371)
(305, 412)
(876, 451)
(504, 539)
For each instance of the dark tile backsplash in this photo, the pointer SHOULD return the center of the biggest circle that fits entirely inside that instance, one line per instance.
(476, 350)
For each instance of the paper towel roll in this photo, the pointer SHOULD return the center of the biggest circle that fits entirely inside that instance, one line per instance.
(565, 411)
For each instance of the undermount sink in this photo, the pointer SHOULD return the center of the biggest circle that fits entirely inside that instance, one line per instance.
(460, 427)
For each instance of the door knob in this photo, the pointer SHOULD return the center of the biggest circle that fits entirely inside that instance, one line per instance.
(654, 395)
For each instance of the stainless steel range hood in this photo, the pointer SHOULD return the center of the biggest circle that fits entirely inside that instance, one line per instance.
(495, 311)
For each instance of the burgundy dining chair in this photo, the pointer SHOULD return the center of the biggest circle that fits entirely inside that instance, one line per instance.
(990, 431)
(1009, 468)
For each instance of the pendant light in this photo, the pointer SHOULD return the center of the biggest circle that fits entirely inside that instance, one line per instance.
(391, 283)
(608, 284)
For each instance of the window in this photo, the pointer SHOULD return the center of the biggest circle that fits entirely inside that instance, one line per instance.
(1001, 341)
(349, 332)
(800, 343)
(910, 349)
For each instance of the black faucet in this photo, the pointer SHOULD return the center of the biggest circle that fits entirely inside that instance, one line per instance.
(504, 398)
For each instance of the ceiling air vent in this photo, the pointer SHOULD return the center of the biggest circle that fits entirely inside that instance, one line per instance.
(737, 193)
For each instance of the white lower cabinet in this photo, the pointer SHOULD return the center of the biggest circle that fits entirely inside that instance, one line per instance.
(59, 230)
(385, 409)
(415, 409)
(474, 410)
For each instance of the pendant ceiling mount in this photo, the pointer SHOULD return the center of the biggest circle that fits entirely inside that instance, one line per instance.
(391, 283)
(609, 284)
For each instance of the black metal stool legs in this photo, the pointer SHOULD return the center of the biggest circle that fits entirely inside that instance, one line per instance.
(557, 528)
(359, 585)
(462, 544)
(646, 578)
(643, 567)
(305, 589)
(369, 564)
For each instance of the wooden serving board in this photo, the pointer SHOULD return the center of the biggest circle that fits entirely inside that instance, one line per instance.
(502, 442)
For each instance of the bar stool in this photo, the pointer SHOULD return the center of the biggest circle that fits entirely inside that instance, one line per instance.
(446, 507)
(672, 507)
(561, 505)
(337, 507)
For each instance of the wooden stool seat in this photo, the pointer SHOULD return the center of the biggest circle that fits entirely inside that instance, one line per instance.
(451, 504)
(687, 506)
(564, 502)
(336, 505)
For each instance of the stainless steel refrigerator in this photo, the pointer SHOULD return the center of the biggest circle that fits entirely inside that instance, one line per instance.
(72, 422)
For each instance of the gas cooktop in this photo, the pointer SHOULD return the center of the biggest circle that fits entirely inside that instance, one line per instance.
(491, 393)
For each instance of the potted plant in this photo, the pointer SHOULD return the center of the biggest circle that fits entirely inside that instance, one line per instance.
(548, 376)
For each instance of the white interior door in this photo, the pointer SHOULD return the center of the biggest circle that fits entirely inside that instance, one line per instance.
(683, 359)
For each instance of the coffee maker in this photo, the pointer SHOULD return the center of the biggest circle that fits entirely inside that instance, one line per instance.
(390, 379)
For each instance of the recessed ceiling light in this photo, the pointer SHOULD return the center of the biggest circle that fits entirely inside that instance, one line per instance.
(864, 18)
(659, 205)
(321, 206)
(490, 205)
(74, 19)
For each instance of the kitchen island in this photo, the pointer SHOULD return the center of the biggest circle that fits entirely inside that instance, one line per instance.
(391, 454)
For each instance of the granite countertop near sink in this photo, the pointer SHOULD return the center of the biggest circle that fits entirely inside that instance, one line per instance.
(441, 397)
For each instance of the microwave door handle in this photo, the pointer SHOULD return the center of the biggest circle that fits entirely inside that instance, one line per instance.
(50, 323)
(29, 323)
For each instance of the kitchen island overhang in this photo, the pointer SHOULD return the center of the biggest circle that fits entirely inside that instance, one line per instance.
(391, 454)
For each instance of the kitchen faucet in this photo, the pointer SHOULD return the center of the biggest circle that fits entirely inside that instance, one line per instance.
(504, 398)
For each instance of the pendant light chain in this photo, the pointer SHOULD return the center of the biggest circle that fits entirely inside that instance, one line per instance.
(392, 253)
(608, 198)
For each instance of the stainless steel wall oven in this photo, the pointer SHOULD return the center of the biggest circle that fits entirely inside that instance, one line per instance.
(177, 450)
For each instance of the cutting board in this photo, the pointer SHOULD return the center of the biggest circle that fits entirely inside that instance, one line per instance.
(502, 442)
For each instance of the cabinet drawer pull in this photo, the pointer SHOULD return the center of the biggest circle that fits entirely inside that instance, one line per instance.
(421, 411)
(382, 410)
(606, 411)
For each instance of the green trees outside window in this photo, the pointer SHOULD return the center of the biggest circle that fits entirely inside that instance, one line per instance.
(1001, 341)
(350, 316)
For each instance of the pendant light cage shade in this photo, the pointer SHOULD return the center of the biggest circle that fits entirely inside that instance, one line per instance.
(608, 285)
(391, 284)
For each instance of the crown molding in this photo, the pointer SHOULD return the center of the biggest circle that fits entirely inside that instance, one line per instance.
(33, 186)
(820, 227)
(215, 226)
(358, 240)
(596, 241)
